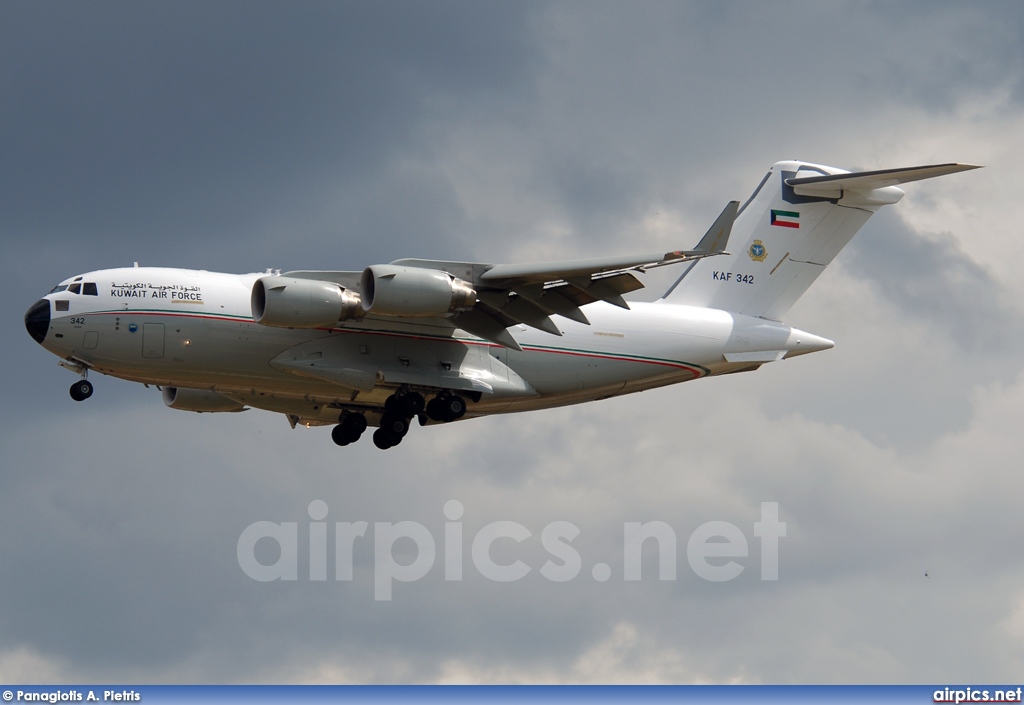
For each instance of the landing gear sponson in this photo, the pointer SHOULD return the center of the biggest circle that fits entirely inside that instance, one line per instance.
(399, 410)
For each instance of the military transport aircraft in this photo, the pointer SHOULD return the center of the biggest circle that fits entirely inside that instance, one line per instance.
(442, 341)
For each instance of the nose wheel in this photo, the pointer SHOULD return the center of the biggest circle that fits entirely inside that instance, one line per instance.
(81, 390)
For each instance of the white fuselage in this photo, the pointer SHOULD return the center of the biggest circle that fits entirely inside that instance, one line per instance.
(194, 330)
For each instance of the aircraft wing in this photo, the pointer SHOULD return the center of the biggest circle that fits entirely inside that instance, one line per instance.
(513, 294)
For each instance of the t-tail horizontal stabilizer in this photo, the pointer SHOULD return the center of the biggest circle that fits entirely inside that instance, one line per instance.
(834, 184)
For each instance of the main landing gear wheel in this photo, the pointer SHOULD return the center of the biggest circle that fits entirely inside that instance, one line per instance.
(82, 390)
(446, 408)
(381, 439)
(454, 407)
(391, 432)
(395, 426)
(405, 403)
(349, 429)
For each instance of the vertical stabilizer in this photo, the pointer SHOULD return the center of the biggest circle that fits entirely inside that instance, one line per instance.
(791, 228)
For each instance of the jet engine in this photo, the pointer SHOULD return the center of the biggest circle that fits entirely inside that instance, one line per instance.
(390, 290)
(201, 400)
(284, 302)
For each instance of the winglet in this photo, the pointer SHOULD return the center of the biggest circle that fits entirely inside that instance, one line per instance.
(716, 239)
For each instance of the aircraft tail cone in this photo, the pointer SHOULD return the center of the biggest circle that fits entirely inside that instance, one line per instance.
(801, 342)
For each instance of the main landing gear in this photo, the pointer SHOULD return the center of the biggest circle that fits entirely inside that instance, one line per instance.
(399, 410)
(446, 407)
(350, 428)
(81, 390)
(391, 432)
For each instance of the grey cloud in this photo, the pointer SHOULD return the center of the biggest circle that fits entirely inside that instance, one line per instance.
(153, 546)
(181, 124)
(934, 278)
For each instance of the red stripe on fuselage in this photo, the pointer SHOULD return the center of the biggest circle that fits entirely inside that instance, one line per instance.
(609, 356)
(410, 336)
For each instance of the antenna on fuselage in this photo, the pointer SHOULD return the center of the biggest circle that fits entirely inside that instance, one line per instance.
(136, 265)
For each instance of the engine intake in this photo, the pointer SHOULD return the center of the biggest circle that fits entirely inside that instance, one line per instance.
(200, 400)
(284, 302)
(390, 290)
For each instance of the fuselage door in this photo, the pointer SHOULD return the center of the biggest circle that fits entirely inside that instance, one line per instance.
(152, 340)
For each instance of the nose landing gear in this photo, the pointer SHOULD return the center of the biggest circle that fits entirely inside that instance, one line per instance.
(81, 390)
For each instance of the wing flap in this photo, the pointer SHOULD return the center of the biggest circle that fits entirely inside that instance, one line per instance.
(608, 288)
(554, 299)
(487, 326)
(519, 310)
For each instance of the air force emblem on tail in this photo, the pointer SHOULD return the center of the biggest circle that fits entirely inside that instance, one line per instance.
(757, 251)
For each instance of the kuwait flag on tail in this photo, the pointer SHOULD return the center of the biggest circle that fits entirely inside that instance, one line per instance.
(786, 219)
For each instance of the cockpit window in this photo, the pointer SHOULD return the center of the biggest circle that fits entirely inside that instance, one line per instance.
(89, 289)
(59, 288)
(75, 288)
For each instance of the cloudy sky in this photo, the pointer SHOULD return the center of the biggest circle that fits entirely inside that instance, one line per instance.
(241, 136)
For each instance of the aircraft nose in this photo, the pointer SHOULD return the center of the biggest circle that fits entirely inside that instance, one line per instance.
(37, 320)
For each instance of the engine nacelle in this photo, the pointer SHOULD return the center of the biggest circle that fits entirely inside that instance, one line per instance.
(390, 290)
(201, 400)
(284, 302)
